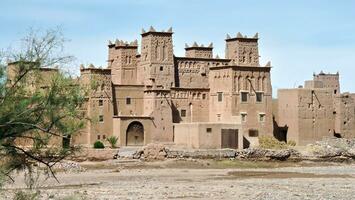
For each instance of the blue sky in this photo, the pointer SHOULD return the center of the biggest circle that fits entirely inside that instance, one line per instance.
(298, 37)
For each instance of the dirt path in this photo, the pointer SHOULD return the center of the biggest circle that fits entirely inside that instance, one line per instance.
(299, 182)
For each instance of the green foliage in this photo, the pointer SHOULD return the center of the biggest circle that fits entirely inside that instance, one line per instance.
(291, 143)
(26, 195)
(99, 145)
(37, 105)
(269, 142)
(113, 141)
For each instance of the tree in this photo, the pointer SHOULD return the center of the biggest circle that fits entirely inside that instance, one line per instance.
(37, 109)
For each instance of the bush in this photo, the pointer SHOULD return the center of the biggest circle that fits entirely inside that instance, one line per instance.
(113, 141)
(269, 142)
(291, 143)
(99, 145)
(26, 195)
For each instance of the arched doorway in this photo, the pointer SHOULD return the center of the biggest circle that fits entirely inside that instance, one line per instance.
(135, 134)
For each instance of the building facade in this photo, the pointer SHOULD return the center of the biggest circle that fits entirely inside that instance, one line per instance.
(315, 111)
(151, 95)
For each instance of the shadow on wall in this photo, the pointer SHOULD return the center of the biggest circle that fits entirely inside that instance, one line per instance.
(176, 114)
(246, 143)
(280, 132)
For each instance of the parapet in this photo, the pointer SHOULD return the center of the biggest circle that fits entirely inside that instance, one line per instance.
(92, 67)
(196, 46)
(199, 51)
(153, 31)
(122, 44)
(239, 36)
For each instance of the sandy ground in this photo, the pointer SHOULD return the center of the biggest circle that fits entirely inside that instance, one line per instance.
(185, 181)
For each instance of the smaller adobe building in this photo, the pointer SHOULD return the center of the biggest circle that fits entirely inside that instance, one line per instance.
(314, 111)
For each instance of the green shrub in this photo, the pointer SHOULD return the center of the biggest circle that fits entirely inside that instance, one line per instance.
(26, 195)
(291, 143)
(99, 145)
(112, 140)
(269, 142)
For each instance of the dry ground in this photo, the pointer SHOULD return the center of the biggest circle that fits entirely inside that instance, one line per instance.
(196, 179)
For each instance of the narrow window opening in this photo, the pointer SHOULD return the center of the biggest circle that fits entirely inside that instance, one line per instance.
(220, 96)
(128, 100)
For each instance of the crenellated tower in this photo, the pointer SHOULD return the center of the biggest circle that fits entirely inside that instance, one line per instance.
(122, 59)
(243, 51)
(199, 51)
(157, 58)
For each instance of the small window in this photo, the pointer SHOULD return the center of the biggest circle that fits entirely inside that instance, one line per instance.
(335, 91)
(101, 102)
(183, 113)
(259, 96)
(101, 118)
(244, 117)
(104, 137)
(128, 100)
(261, 117)
(244, 96)
(161, 68)
(208, 130)
(203, 96)
(220, 96)
(253, 133)
(98, 137)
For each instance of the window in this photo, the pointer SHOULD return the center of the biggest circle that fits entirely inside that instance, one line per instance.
(98, 137)
(101, 102)
(203, 96)
(183, 113)
(335, 91)
(253, 133)
(161, 68)
(208, 130)
(104, 137)
(244, 96)
(261, 117)
(101, 118)
(259, 96)
(128, 100)
(220, 96)
(244, 117)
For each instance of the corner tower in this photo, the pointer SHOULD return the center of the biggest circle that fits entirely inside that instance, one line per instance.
(157, 58)
(122, 59)
(243, 51)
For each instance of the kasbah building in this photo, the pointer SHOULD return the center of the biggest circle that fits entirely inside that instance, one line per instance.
(202, 101)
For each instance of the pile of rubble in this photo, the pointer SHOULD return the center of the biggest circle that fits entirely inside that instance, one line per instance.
(69, 167)
(333, 148)
(161, 152)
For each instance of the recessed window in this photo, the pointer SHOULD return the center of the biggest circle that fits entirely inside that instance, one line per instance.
(101, 102)
(101, 118)
(208, 130)
(261, 117)
(203, 96)
(253, 133)
(183, 113)
(259, 96)
(104, 137)
(98, 137)
(219, 96)
(244, 117)
(161, 68)
(244, 96)
(128, 100)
